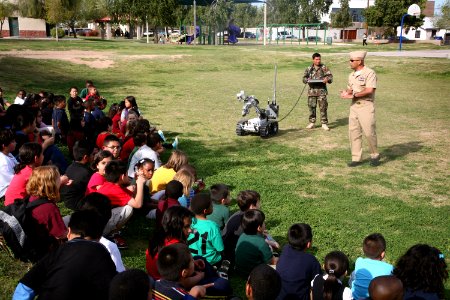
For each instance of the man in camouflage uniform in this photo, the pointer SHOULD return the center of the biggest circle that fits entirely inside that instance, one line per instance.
(317, 92)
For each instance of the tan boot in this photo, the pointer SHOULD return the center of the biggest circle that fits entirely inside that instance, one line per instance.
(310, 126)
(325, 127)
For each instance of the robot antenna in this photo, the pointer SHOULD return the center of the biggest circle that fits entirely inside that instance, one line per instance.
(274, 99)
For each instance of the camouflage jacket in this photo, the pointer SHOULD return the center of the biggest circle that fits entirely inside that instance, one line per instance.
(321, 72)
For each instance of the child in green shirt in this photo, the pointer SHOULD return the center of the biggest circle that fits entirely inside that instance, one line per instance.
(205, 239)
(221, 198)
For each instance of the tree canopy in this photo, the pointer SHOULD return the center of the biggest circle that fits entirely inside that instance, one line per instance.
(443, 19)
(388, 14)
(297, 11)
(6, 10)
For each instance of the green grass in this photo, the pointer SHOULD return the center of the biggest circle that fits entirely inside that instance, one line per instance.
(300, 174)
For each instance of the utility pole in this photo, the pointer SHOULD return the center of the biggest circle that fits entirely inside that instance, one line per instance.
(367, 24)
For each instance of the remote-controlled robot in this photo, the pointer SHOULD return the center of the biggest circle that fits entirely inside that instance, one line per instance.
(265, 124)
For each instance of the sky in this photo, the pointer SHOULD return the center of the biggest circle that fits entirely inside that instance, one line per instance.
(437, 5)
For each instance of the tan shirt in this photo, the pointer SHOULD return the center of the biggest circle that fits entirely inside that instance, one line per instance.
(359, 80)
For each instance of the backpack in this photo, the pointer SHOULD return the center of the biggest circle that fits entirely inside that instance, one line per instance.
(17, 228)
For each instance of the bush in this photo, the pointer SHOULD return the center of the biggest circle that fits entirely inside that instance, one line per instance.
(61, 33)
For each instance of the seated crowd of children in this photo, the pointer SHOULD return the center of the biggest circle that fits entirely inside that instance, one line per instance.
(196, 245)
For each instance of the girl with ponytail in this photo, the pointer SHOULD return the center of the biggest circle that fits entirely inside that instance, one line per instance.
(329, 286)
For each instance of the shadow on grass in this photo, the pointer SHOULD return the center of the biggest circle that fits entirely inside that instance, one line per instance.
(397, 151)
(338, 123)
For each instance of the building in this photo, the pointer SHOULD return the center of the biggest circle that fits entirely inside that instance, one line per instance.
(356, 9)
(17, 26)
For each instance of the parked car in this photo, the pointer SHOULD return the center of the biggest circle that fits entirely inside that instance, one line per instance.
(83, 31)
(282, 35)
(247, 35)
(313, 38)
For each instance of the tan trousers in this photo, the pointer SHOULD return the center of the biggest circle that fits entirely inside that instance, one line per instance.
(362, 121)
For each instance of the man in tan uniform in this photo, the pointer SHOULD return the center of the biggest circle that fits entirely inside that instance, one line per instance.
(362, 83)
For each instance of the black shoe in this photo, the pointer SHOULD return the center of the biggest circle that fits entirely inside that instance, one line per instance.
(354, 164)
(375, 162)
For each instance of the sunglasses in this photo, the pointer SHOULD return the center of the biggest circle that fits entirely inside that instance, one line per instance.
(352, 60)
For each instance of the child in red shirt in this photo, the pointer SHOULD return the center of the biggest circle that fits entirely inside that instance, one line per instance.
(122, 198)
(174, 190)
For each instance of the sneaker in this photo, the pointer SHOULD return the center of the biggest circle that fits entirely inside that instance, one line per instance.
(310, 126)
(375, 162)
(119, 241)
(325, 127)
(354, 164)
(223, 270)
(161, 134)
(175, 143)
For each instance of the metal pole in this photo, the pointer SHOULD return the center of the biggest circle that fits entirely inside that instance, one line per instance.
(265, 23)
(401, 31)
(195, 21)
(367, 24)
(148, 33)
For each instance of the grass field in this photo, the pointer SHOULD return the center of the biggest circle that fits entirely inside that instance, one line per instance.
(301, 174)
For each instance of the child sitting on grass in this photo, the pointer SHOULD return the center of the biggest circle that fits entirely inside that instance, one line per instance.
(297, 267)
(220, 195)
(205, 240)
(97, 179)
(176, 265)
(386, 287)
(174, 190)
(264, 283)
(374, 248)
(246, 200)
(329, 286)
(122, 199)
(251, 248)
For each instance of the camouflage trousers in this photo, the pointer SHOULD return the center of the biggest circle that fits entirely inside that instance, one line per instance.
(323, 106)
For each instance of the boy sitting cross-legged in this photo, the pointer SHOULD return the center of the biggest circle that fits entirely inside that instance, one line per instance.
(251, 248)
(205, 240)
(369, 267)
(297, 267)
(220, 195)
(176, 265)
(122, 199)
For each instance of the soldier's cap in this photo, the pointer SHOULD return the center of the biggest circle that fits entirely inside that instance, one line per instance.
(358, 55)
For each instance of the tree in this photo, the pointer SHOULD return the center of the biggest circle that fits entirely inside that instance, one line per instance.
(32, 8)
(443, 19)
(312, 10)
(283, 11)
(245, 15)
(342, 18)
(388, 14)
(6, 10)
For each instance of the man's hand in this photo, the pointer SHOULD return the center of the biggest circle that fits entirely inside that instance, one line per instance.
(346, 95)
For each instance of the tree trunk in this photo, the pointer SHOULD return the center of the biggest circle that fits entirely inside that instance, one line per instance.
(72, 26)
(1, 27)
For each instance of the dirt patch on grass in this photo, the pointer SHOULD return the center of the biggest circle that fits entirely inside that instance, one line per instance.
(92, 59)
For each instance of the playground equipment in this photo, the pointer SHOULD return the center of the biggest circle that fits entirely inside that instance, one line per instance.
(293, 33)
